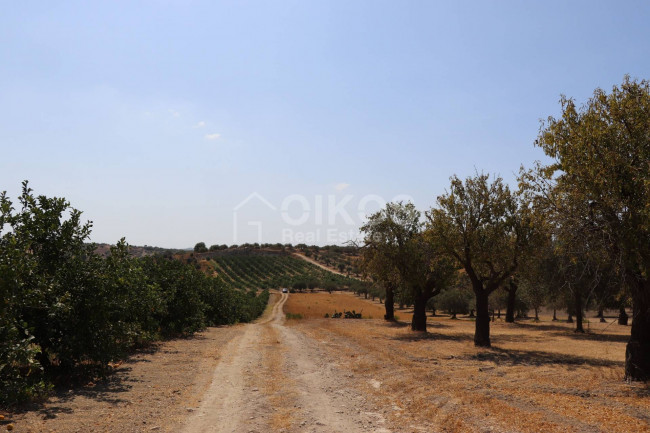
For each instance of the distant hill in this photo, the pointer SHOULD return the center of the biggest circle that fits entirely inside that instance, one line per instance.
(136, 251)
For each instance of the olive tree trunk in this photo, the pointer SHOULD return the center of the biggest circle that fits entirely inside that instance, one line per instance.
(577, 305)
(419, 322)
(622, 316)
(637, 352)
(389, 303)
(512, 296)
(482, 330)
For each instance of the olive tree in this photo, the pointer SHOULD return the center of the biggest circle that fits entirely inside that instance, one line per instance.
(394, 239)
(482, 226)
(601, 158)
(376, 265)
(200, 248)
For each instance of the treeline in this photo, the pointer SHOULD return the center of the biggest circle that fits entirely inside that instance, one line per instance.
(201, 247)
(66, 310)
(575, 231)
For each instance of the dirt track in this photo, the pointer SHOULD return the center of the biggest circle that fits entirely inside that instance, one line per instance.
(320, 265)
(274, 378)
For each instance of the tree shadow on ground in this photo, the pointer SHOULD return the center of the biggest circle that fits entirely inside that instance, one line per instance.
(103, 385)
(438, 325)
(543, 326)
(641, 389)
(107, 390)
(424, 336)
(519, 338)
(537, 358)
(595, 336)
(564, 331)
(401, 324)
(395, 324)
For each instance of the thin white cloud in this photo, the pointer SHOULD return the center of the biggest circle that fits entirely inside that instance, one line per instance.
(201, 124)
(341, 186)
(212, 136)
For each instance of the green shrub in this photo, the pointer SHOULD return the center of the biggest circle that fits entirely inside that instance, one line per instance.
(183, 311)
(67, 309)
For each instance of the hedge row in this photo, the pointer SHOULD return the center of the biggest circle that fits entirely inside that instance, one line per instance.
(64, 309)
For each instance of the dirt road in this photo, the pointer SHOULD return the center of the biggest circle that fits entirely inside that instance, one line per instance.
(274, 378)
(320, 265)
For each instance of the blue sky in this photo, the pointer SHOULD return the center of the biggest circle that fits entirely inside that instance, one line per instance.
(157, 118)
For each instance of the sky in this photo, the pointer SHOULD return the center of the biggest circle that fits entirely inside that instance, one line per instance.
(174, 122)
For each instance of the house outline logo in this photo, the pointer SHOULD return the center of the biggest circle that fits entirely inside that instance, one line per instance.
(258, 224)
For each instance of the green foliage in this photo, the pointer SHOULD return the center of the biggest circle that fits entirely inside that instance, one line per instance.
(200, 248)
(479, 225)
(455, 301)
(598, 189)
(397, 254)
(109, 307)
(486, 229)
(65, 309)
(182, 291)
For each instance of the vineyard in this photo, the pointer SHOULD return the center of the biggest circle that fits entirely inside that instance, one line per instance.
(276, 271)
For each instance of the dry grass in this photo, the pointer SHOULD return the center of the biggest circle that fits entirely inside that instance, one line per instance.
(316, 305)
(536, 377)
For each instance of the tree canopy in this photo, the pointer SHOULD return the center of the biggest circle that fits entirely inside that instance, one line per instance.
(601, 173)
(483, 227)
(399, 255)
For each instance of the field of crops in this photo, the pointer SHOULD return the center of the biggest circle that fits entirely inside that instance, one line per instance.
(275, 271)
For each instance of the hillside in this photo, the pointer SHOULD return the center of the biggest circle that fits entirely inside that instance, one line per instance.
(341, 259)
(255, 271)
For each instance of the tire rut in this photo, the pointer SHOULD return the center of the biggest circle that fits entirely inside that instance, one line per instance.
(275, 378)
